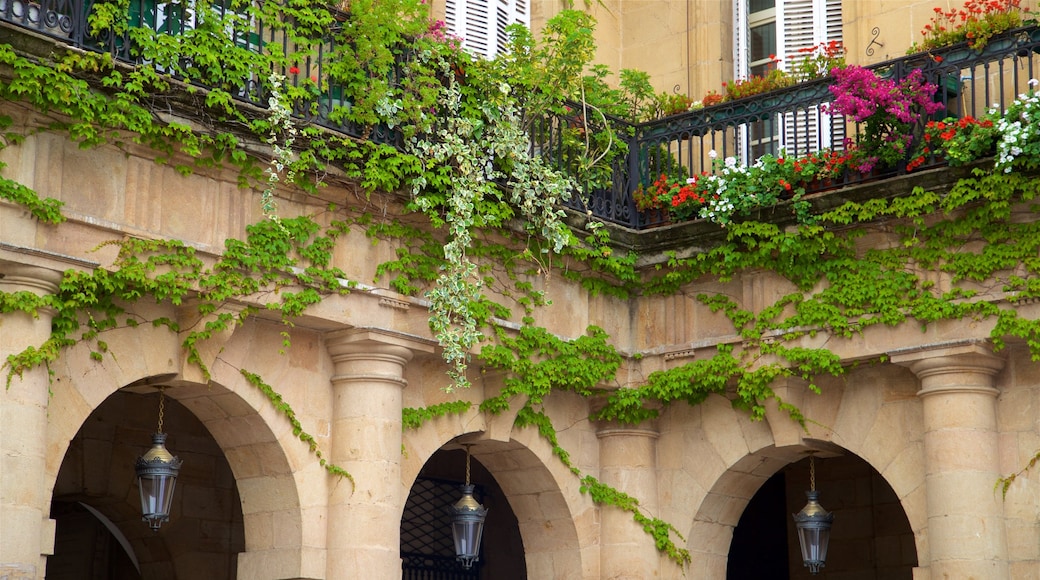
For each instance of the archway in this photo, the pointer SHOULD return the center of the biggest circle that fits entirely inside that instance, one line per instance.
(96, 503)
(426, 542)
(871, 537)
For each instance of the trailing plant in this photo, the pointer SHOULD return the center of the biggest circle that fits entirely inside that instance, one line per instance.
(297, 428)
(976, 22)
(890, 112)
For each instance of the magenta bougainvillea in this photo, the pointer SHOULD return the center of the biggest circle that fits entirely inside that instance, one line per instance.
(890, 112)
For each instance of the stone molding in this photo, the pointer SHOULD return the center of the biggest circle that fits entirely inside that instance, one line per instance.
(932, 363)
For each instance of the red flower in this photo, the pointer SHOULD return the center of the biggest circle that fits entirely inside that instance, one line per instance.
(294, 70)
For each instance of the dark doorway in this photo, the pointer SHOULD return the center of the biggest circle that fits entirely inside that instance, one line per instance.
(96, 502)
(427, 551)
(871, 537)
(759, 547)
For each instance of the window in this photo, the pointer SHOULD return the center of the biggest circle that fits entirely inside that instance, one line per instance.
(482, 23)
(783, 27)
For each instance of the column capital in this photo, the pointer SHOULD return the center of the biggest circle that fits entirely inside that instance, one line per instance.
(35, 279)
(961, 366)
(344, 344)
(613, 427)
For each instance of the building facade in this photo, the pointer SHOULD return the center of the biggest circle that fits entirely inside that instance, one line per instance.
(909, 444)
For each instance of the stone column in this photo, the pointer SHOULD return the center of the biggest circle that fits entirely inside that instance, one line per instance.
(628, 463)
(26, 530)
(364, 527)
(966, 532)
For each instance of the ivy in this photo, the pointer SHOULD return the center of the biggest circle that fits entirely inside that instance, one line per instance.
(297, 428)
(413, 418)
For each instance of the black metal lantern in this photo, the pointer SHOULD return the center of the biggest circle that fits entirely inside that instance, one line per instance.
(467, 523)
(157, 476)
(814, 526)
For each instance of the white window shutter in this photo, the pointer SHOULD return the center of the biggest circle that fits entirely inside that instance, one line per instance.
(807, 23)
(482, 23)
(741, 40)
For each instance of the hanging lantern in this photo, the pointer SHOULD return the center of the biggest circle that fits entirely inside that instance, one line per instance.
(157, 476)
(814, 526)
(467, 523)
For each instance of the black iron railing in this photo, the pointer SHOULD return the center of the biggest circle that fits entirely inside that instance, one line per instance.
(794, 119)
(67, 20)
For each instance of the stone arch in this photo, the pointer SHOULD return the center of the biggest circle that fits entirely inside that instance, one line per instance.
(872, 413)
(204, 534)
(268, 464)
(543, 495)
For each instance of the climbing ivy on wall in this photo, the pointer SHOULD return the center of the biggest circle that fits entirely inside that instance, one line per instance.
(464, 168)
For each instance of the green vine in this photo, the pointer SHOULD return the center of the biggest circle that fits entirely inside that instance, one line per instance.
(280, 405)
(413, 418)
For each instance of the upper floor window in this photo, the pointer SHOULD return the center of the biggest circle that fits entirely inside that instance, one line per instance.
(482, 23)
(781, 28)
(767, 29)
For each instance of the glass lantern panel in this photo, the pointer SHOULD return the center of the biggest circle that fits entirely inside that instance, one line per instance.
(814, 544)
(156, 494)
(467, 537)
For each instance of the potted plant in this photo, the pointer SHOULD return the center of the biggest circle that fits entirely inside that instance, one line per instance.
(890, 112)
(1019, 143)
(771, 80)
(976, 23)
(817, 61)
(961, 140)
(670, 196)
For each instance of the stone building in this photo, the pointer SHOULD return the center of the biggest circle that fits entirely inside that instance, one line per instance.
(909, 444)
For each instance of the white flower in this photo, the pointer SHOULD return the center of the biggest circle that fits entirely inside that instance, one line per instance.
(712, 154)
(691, 180)
(731, 162)
(1033, 82)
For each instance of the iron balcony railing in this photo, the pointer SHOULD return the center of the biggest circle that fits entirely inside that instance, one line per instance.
(67, 20)
(794, 119)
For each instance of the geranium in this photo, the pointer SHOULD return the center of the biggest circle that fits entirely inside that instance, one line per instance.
(889, 112)
(712, 98)
(732, 189)
(773, 79)
(679, 195)
(961, 140)
(817, 61)
(976, 23)
(1019, 143)
(822, 165)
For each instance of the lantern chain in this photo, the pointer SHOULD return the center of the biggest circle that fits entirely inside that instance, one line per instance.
(812, 472)
(162, 407)
(467, 464)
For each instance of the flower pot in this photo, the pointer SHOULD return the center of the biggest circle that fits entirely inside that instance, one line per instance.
(655, 217)
(820, 184)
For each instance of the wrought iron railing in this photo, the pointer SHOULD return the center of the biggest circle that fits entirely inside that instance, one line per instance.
(67, 20)
(794, 119)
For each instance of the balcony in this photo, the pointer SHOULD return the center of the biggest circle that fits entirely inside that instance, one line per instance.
(794, 120)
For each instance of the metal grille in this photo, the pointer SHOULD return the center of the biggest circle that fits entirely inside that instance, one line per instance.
(427, 548)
